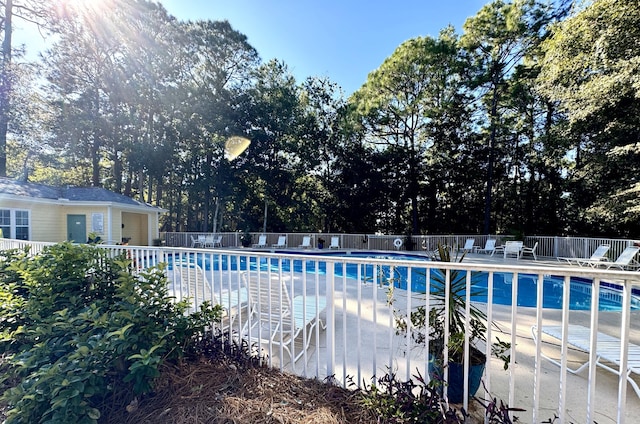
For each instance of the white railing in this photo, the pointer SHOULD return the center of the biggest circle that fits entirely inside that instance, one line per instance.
(548, 246)
(34, 246)
(360, 340)
(346, 241)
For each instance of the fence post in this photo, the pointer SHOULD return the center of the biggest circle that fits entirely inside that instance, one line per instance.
(331, 319)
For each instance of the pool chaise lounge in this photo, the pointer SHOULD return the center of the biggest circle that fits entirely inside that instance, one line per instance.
(469, 245)
(279, 318)
(626, 260)
(607, 352)
(189, 281)
(598, 256)
(262, 241)
(489, 247)
(306, 242)
(281, 244)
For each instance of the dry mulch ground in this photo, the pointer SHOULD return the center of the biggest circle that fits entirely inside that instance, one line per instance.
(221, 391)
(222, 386)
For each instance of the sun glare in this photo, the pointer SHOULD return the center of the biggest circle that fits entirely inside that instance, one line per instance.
(83, 7)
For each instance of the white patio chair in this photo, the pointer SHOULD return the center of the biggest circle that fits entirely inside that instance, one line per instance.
(277, 318)
(530, 250)
(335, 243)
(209, 241)
(196, 242)
(513, 248)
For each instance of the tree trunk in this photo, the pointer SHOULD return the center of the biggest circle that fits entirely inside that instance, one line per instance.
(117, 172)
(95, 161)
(215, 216)
(492, 142)
(95, 146)
(149, 191)
(5, 87)
(264, 225)
(158, 192)
(128, 184)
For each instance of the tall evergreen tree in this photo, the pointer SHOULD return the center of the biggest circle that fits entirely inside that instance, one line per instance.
(590, 68)
(34, 12)
(498, 37)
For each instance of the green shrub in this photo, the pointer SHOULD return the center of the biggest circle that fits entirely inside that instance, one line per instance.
(78, 327)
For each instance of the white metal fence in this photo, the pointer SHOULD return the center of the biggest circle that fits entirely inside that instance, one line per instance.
(548, 246)
(361, 340)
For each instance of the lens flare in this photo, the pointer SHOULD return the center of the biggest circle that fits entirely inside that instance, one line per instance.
(234, 146)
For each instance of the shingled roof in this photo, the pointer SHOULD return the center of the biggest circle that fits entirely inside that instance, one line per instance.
(15, 188)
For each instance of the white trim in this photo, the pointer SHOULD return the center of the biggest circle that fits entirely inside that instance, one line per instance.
(149, 235)
(67, 202)
(109, 223)
(13, 225)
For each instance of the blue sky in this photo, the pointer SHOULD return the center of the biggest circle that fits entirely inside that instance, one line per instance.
(340, 39)
(343, 40)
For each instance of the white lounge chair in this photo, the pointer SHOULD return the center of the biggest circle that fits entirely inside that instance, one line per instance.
(306, 242)
(626, 260)
(607, 351)
(277, 318)
(189, 281)
(530, 250)
(468, 245)
(335, 243)
(262, 241)
(282, 242)
(599, 255)
(489, 247)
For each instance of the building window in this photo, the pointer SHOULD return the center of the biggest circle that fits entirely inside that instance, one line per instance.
(14, 223)
(5, 222)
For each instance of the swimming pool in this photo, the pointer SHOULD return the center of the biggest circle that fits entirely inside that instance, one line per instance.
(398, 276)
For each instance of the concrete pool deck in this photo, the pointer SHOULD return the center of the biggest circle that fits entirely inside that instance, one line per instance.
(360, 321)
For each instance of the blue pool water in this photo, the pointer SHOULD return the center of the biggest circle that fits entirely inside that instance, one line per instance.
(579, 299)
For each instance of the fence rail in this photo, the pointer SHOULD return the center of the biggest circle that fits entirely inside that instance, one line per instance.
(548, 246)
(359, 338)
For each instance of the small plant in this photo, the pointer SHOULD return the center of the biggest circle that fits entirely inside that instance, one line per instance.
(246, 238)
(396, 401)
(448, 289)
(77, 327)
(94, 238)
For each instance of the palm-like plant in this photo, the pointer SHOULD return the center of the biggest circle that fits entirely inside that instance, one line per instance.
(448, 289)
(448, 300)
(448, 323)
